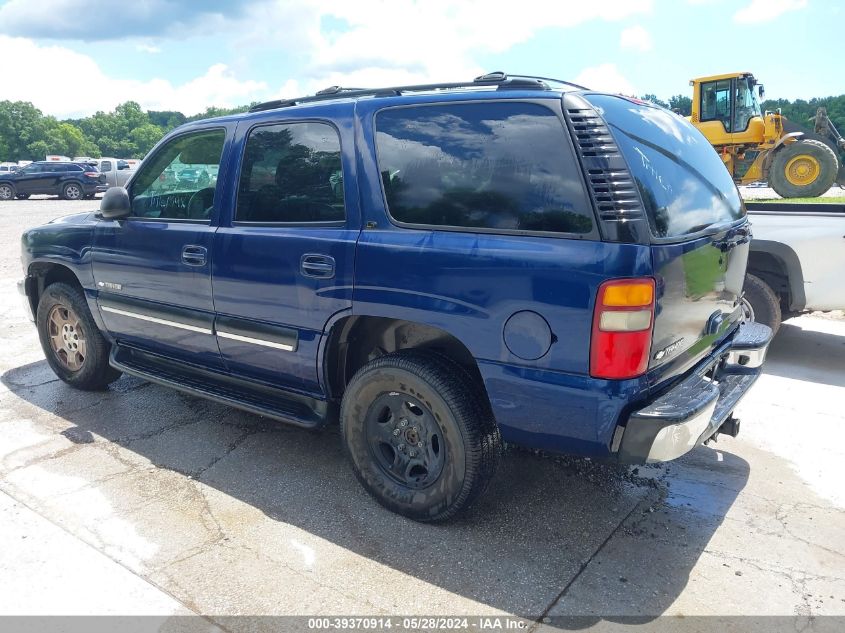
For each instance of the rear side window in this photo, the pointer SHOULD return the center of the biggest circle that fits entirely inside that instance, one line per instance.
(502, 166)
(291, 173)
(683, 183)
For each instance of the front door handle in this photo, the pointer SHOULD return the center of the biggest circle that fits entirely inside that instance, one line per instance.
(194, 255)
(317, 266)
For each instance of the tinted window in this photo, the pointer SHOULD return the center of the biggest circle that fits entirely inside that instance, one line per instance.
(683, 183)
(291, 173)
(74, 167)
(504, 166)
(56, 168)
(105, 165)
(178, 182)
(716, 102)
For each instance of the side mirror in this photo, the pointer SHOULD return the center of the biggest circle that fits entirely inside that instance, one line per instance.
(760, 90)
(115, 204)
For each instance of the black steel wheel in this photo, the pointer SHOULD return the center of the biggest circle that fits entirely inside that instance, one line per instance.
(420, 434)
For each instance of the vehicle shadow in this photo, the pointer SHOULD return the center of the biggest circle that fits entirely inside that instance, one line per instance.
(807, 355)
(545, 525)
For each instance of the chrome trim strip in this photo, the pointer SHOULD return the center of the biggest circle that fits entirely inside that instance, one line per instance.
(255, 341)
(750, 358)
(673, 441)
(152, 319)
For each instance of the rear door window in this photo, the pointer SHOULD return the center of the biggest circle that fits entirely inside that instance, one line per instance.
(505, 166)
(683, 183)
(291, 173)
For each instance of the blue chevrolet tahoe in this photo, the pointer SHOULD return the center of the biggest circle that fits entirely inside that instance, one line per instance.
(437, 268)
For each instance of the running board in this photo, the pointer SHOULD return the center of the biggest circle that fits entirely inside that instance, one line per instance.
(258, 398)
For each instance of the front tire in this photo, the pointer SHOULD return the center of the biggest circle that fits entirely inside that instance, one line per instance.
(760, 303)
(420, 434)
(75, 349)
(73, 191)
(804, 169)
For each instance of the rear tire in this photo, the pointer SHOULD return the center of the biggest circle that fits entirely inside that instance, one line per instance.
(420, 434)
(75, 349)
(761, 304)
(7, 191)
(73, 191)
(804, 169)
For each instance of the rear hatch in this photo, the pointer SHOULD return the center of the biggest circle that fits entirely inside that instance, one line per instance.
(699, 235)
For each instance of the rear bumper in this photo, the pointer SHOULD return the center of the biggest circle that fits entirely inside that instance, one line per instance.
(695, 408)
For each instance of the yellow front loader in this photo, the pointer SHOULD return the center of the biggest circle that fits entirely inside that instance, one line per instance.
(755, 146)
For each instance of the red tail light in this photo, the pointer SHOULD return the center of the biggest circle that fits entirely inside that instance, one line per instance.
(91, 174)
(622, 323)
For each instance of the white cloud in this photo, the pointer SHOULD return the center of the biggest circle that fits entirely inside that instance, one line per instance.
(55, 91)
(147, 48)
(363, 43)
(403, 41)
(766, 10)
(605, 77)
(636, 38)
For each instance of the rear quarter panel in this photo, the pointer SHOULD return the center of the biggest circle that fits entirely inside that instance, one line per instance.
(818, 239)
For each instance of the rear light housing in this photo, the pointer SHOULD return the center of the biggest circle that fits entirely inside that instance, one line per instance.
(623, 320)
(91, 174)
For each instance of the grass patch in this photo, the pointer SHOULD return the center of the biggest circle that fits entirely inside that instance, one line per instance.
(831, 200)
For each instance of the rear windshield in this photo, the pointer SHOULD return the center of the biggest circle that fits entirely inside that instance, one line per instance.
(684, 184)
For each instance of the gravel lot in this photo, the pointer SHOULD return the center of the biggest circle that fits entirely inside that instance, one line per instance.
(199, 508)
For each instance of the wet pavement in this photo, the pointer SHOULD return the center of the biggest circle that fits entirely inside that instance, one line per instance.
(220, 512)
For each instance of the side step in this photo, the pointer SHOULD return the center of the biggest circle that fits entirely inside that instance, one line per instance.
(258, 398)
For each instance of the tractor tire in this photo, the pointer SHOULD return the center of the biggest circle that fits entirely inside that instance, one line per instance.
(804, 169)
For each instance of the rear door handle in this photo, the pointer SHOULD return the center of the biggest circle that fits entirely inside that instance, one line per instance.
(317, 266)
(194, 255)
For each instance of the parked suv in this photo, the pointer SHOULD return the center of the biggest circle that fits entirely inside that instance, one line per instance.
(438, 268)
(71, 181)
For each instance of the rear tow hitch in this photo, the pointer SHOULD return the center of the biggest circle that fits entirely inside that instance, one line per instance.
(730, 426)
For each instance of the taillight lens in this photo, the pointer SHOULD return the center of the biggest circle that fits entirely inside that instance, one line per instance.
(92, 174)
(622, 323)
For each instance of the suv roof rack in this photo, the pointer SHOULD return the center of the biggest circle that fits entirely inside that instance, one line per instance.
(499, 79)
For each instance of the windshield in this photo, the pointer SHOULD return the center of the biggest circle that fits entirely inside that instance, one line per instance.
(747, 105)
(683, 183)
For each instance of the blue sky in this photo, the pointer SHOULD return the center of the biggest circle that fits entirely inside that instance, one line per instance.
(72, 58)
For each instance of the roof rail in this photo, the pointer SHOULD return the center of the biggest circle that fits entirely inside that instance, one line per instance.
(499, 79)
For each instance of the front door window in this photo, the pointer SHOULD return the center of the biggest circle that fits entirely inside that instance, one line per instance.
(716, 102)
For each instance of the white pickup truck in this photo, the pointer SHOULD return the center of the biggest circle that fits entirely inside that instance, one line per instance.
(116, 170)
(796, 261)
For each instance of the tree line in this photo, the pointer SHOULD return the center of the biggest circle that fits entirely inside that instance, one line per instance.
(130, 132)
(127, 132)
(799, 111)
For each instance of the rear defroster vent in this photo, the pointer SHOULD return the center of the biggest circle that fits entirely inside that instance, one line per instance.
(615, 194)
(612, 188)
(591, 133)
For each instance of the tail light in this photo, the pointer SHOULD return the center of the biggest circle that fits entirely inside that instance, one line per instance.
(622, 323)
(91, 174)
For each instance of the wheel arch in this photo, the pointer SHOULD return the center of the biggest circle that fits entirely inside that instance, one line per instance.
(778, 265)
(354, 340)
(42, 274)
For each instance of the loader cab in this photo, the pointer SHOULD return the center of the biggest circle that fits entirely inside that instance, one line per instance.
(726, 109)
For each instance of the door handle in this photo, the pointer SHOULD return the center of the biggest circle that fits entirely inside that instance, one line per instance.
(317, 266)
(194, 255)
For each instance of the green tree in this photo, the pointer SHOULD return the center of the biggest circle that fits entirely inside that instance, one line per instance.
(681, 104)
(145, 136)
(653, 99)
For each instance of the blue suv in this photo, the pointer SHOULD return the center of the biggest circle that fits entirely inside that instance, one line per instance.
(437, 268)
